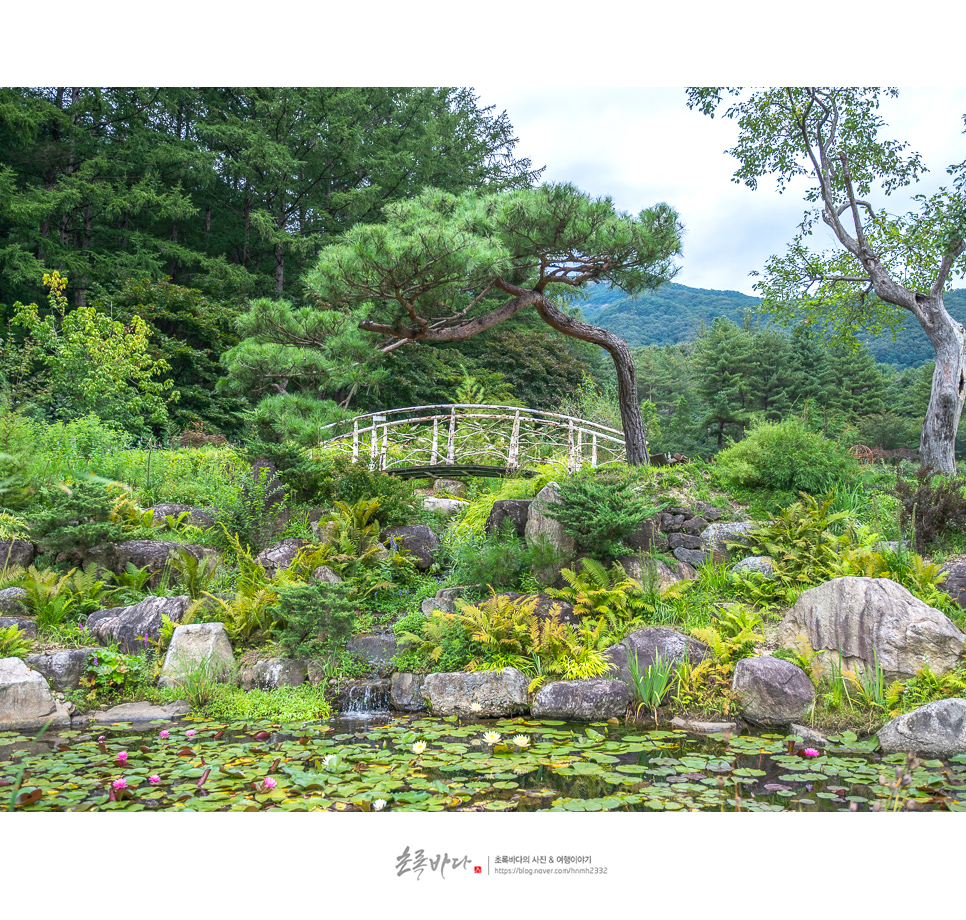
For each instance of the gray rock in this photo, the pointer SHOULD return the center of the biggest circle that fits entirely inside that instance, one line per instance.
(716, 537)
(685, 540)
(142, 712)
(955, 583)
(648, 537)
(264, 472)
(708, 512)
(872, 618)
(153, 555)
(758, 565)
(509, 509)
(444, 600)
(198, 649)
(808, 735)
(25, 699)
(645, 569)
(444, 505)
(62, 670)
(272, 673)
(12, 602)
(26, 625)
(128, 626)
(377, 648)
(540, 525)
(16, 552)
(937, 729)
(649, 644)
(449, 487)
(485, 694)
(327, 575)
(280, 555)
(772, 691)
(405, 692)
(198, 517)
(594, 700)
(695, 526)
(418, 540)
(706, 728)
(693, 557)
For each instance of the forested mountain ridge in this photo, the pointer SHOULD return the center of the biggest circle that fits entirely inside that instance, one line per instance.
(676, 313)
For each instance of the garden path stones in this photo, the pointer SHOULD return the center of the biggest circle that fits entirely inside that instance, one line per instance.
(198, 650)
(128, 626)
(509, 509)
(937, 728)
(484, 694)
(62, 670)
(280, 555)
(405, 692)
(272, 673)
(153, 555)
(872, 618)
(648, 644)
(16, 552)
(26, 700)
(418, 540)
(772, 691)
(593, 700)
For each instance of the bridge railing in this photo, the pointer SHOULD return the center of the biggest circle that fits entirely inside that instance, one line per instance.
(447, 434)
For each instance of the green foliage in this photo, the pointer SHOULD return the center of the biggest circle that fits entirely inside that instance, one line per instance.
(925, 687)
(439, 642)
(931, 507)
(285, 704)
(599, 509)
(351, 482)
(501, 628)
(251, 514)
(112, 673)
(734, 635)
(196, 574)
(784, 458)
(597, 592)
(651, 684)
(198, 680)
(13, 643)
(315, 617)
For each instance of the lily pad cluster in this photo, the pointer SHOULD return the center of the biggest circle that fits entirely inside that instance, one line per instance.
(427, 764)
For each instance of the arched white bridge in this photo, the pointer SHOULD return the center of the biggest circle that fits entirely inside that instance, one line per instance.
(419, 440)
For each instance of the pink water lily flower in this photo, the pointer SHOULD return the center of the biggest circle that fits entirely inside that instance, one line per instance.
(154, 779)
(268, 783)
(122, 757)
(810, 752)
(190, 733)
(120, 783)
(165, 733)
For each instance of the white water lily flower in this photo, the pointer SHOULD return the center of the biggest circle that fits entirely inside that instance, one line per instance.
(419, 747)
(330, 759)
(379, 805)
(521, 741)
(491, 737)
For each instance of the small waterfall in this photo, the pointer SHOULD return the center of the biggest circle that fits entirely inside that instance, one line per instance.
(359, 699)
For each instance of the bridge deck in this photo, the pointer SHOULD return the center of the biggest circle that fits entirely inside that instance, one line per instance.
(456, 471)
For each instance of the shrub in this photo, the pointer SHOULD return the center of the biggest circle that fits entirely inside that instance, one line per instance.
(784, 458)
(931, 506)
(314, 617)
(599, 509)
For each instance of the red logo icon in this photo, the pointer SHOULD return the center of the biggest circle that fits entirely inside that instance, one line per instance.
(478, 870)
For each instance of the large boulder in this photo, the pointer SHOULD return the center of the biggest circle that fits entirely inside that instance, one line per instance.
(516, 510)
(418, 540)
(141, 712)
(280, 555)
(938, 729)
(62, 670)
(484, 694)
(648, 537)
(955, 583)
(649, 644)
(756, 565)
(872, 619)
(593, 700)
(25, 699)
(540, 525)
(153, 555)
(716, 537)
(16, 552)
(646, 570)
(406, 692)
(444, 505)
(772, 691)
(272, 673)
(129, 626)
(375, 648)
(197, 517)
(198, 649)
(444, 600)
(13, 602)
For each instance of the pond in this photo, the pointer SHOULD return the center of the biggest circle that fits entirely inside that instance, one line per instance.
(422, 764)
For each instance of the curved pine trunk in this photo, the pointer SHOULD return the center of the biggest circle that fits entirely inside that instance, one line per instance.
(937, 447)
(633, 424)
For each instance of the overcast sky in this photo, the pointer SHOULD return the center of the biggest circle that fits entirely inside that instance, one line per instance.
(642, 146)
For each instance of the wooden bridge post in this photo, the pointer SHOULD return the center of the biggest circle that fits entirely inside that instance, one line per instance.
(513, 458)
(570, 447)
(580, 447)
(434, 456)
(384, 460)
(593, 455)
(355, 440)
(451, 441)
(373, 446)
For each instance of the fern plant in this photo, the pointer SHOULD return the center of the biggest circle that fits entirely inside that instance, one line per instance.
(597, 591)
(196, 574)
(13, 643)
